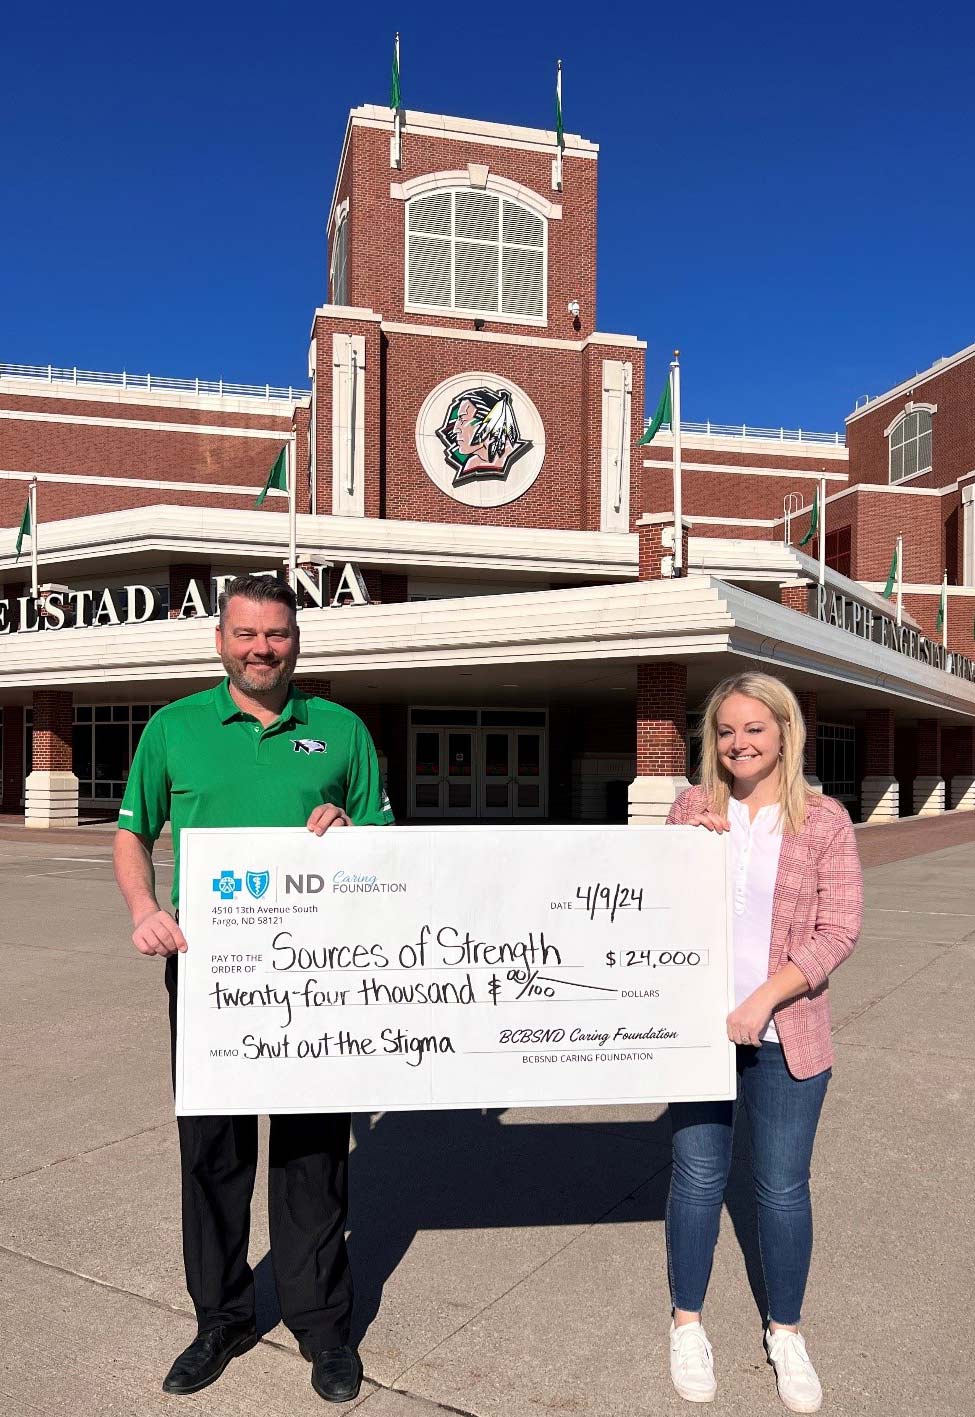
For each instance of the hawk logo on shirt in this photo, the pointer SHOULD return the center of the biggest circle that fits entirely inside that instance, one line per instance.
(310, 745)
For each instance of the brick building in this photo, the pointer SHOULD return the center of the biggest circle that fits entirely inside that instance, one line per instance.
(486, 549)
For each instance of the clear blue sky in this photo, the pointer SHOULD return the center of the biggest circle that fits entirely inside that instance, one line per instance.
(789, 199)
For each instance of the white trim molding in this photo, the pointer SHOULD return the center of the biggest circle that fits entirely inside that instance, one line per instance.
(664, 465)
(394, 327)
(464, 177)
(16, 415)
(941, 366)
(910, 407)
(471, 130)
(230, 489)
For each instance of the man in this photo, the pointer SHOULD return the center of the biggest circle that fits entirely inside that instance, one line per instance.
(254, 751)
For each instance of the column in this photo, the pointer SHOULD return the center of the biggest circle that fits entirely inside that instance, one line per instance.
(656, 539)
(661, 747)
(958, 749)
(51, 797)
(929, 785)
(794, 595)
(807, 702)
(879, 791)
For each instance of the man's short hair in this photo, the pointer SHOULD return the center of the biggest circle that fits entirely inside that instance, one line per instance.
(260, 589)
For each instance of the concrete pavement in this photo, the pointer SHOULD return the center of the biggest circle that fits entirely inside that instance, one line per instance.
(508, 1265)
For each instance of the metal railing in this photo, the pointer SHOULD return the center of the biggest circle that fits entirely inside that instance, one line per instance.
(50, 374)
(745, 430)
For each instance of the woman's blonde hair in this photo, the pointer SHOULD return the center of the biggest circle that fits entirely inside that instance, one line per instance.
(783, 705)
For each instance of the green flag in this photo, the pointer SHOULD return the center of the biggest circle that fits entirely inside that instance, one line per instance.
(559, 128)
(277, 477)
(813, 520)
(661, 416)
(891, 575)
(25, 527)
(943, 604)
(395, 93)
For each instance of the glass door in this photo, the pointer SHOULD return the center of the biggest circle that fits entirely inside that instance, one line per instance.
(528, 794)
(460, 799)
(442, 772)
(426, 779)
(496, 780)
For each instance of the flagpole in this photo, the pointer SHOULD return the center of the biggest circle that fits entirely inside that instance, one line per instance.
(822, 531)
(558, 135)
(398, 117)
(675, 429)
(292, 513)
(32, 502)
(944, 610)
(900, 577)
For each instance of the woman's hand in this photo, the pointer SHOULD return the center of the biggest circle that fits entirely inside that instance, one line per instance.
(747, 1023)
(712, 820)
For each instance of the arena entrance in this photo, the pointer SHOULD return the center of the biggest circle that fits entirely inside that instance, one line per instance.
(478, 764)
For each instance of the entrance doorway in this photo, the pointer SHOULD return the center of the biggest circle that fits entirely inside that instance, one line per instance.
(478, 764)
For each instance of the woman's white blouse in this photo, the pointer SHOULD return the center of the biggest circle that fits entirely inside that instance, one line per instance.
(755, 847)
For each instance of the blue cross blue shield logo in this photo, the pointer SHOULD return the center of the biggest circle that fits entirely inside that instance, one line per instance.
(226, 885)
(258, 882)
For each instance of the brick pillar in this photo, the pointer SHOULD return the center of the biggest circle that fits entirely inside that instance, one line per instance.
(661, 747)
(51, 796)
(958, 750)
(13, 757)
(318, 688)
(395, 589)
(929, 786)
(810, 717)
(656, 536)
(880, 790)
(794, 595)
(180, 575)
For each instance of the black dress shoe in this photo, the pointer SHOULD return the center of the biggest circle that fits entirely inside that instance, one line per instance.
(207, 1356)
(336, 1373)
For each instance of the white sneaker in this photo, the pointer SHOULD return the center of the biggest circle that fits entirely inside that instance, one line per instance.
(795, 1376)
(692, 1363)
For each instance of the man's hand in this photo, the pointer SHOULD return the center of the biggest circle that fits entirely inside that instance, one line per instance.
(327, 816)
(156, 933)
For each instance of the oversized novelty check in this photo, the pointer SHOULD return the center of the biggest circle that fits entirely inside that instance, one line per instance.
(380, 968)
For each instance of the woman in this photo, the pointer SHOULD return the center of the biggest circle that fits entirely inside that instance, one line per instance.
(797, 900)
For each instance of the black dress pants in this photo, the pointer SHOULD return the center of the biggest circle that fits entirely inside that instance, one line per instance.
(307, 1209)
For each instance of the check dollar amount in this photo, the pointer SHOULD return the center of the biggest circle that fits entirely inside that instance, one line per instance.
(396, 968)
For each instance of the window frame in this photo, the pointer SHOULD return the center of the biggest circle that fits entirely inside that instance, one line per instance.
(912, 410)
(455, 312)
(340, 240)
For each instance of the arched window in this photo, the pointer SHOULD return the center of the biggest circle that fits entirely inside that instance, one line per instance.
(910, 444)
(475, 253)
(340, 258)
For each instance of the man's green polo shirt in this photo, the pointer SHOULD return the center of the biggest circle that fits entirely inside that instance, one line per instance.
(202, 762)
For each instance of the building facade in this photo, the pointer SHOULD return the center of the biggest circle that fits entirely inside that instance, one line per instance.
(485, 547)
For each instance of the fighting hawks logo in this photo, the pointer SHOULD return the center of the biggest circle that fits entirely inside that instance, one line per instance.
(257, 882)
(480, 436)
(310, 745)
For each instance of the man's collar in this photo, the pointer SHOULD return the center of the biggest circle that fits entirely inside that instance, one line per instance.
(295, 706)
(227, 710)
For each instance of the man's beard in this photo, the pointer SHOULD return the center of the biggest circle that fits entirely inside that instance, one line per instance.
(265, 684)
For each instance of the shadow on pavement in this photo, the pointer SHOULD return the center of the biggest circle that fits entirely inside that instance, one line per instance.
(465, 1170)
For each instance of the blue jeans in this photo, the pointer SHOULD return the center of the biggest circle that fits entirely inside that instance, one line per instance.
(783, 1113)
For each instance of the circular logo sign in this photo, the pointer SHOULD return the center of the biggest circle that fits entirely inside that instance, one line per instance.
(480, 439)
